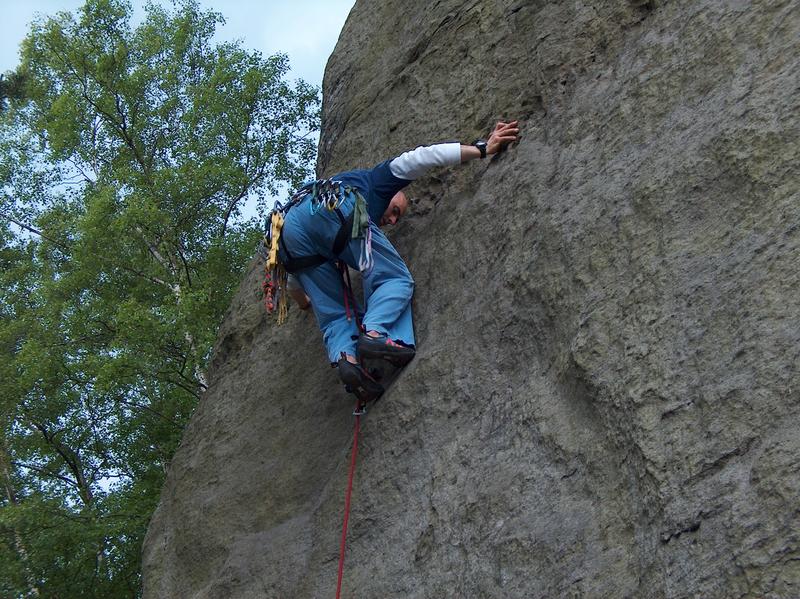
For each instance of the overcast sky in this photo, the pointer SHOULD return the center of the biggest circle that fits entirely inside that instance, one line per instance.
(306, 30)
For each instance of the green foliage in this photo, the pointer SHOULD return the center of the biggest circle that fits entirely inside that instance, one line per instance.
(12, 89)
(125, 159)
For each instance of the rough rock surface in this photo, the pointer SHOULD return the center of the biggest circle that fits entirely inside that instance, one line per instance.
(605, 398)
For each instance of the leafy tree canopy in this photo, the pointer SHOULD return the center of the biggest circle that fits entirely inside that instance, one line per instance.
(126, 157)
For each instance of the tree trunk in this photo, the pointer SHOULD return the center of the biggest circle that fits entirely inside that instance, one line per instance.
(19, 544)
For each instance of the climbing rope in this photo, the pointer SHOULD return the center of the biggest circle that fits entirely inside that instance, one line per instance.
(351, 308)
(342, 545)
(358, 411)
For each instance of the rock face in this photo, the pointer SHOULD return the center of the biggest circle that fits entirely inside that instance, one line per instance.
(605, 397)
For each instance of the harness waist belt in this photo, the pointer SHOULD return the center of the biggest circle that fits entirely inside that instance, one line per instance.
(296, 264)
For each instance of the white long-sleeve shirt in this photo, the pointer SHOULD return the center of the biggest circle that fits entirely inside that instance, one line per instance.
(413, 164)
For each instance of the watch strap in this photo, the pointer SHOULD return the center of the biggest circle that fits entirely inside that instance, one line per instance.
(481, 145)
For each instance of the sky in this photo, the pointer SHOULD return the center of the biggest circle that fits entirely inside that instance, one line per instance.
(306, 30)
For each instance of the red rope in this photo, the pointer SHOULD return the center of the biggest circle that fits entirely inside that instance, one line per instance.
(350, 303)
(346, 305)
(347, 503)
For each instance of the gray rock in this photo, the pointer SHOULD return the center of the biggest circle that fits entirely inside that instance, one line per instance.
(605, 398)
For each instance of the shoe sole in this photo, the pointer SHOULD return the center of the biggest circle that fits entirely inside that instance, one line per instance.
(396, 357)
(364, 388)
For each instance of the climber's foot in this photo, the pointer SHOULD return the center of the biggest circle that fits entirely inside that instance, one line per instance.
(384, 348)
(358, 381)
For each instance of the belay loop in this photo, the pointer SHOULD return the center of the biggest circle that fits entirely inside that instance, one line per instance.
(323, 192)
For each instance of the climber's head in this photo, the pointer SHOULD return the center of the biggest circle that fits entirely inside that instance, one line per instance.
(395, 210)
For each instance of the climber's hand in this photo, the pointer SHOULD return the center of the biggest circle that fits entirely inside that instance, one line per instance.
(503, 134)
(299, 296)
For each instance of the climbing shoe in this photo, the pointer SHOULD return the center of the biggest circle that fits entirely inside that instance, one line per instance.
(384, 348)
(358, 381)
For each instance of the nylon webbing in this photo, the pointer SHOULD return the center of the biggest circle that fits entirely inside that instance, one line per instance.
(294, 264)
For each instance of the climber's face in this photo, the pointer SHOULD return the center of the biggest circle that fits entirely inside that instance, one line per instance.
(395, 210)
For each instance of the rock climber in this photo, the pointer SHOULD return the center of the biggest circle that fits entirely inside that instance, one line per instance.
(387, 326)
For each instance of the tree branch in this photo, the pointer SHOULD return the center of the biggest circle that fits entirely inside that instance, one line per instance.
(46, 472)
(66, 248)
(30, 229)
(71, 459)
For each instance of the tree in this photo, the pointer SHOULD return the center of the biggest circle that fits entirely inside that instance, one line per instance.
(12, 87)
(125, 161)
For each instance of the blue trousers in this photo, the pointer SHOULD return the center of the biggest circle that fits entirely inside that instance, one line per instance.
(388, 287)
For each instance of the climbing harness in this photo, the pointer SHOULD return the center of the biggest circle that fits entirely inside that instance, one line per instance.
(327, 193)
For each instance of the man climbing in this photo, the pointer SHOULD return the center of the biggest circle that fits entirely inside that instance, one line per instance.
(313, 239)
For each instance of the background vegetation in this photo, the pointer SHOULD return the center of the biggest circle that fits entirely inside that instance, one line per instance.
(126, 155)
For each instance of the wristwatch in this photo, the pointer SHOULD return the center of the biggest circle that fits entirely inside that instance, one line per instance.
(481, 145)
